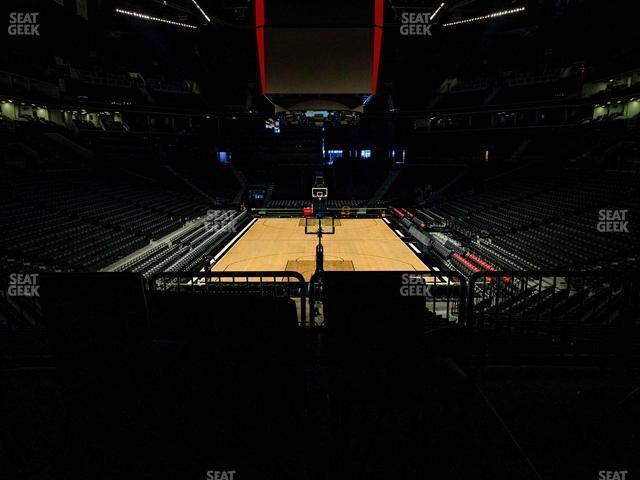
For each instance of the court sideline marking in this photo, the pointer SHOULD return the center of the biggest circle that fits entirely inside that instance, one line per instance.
(234, 239)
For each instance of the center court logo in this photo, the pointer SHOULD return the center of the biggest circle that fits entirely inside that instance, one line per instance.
(414, 286)
(415, 24)
(23, 24)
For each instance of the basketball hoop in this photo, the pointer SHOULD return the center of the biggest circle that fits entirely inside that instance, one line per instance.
(319, 192)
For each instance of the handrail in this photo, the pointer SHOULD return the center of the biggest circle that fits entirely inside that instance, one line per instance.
(447, 279)
(263, 278)
(473, 279)
(568, 302)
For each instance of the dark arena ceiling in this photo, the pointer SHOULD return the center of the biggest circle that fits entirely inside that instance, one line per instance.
(220, 51)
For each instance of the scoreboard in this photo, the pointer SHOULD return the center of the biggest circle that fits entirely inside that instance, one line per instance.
(319, 47)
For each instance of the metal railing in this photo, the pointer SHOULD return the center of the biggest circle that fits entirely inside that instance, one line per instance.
(445, 294)
(571, 312)
(275, 284)
(592, 312)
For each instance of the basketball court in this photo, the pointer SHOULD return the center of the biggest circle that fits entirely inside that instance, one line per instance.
(276, 244)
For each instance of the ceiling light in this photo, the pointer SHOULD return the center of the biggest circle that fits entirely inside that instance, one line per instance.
(202, 11)
(486, 17)
(433, 15)
(154, 19)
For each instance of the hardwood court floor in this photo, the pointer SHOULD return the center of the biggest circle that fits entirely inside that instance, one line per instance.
(273, 244)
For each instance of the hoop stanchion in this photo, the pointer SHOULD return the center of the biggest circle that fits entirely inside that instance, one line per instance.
(319, 226)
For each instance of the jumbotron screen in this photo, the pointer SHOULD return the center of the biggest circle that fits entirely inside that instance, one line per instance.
(318, 47)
